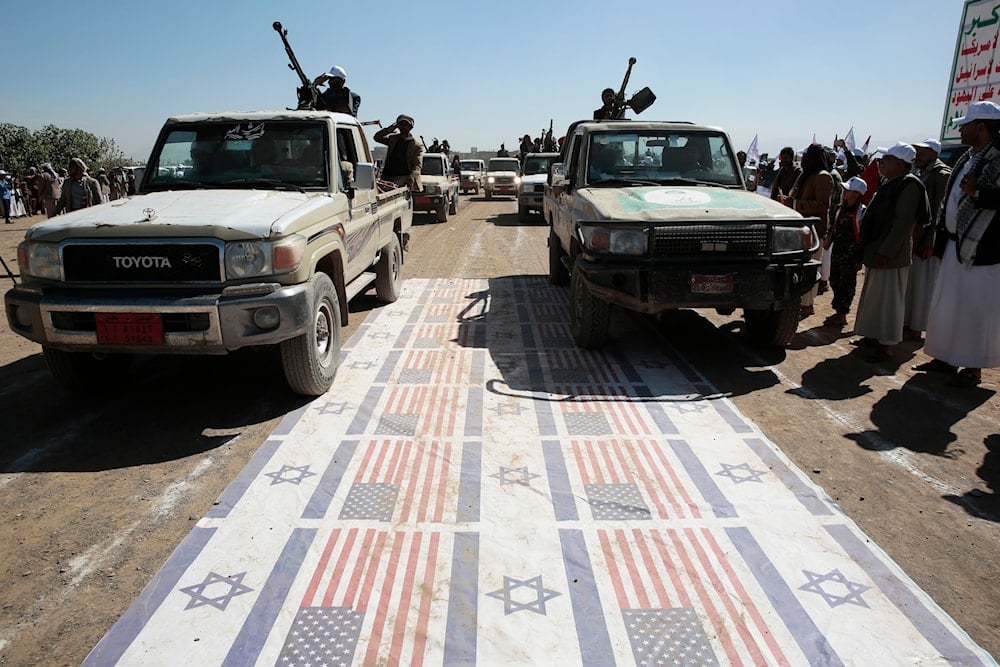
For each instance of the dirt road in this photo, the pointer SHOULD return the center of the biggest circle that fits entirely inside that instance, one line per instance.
(96, 494)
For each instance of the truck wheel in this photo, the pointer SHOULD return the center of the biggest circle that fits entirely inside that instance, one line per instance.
(558, 273)
(773, 328)
(453, 204)
(589, 316)
(489, 194)
(310, 361)
(389, 272)
(83, 372)
(522, 213)
(441, 212)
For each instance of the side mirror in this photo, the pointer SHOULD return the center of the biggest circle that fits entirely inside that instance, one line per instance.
(557, 175)
(364, 176)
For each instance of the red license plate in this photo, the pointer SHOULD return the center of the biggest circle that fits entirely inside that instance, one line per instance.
(702, 284)
(129, 329)
(421, 200)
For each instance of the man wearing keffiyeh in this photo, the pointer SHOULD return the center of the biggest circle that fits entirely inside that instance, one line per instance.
(963, 330)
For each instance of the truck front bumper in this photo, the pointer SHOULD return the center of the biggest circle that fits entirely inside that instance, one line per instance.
(532, 201)
(201, 324)
(656, 288)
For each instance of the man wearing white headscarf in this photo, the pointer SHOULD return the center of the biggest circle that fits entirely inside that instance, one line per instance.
(963, 330)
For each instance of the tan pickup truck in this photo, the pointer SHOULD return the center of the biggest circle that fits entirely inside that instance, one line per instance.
(250, 229)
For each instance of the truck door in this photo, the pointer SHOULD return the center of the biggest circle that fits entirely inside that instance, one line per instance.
(563, 221)
(362, 230)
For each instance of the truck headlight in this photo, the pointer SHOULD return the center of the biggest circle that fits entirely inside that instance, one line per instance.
(517, 180)
(610, 240)
(793, 239)
(40, 260)
(490, 179)
(247, 259)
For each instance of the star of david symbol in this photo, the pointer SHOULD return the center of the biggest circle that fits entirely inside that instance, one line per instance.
(232, 586)
(535, 604)
(385, 335)
(280, 476)
(686, 407)
(507, 409)
(332, 408)
(363, 365)
(514, 476)
(735, 473)
(852, 596)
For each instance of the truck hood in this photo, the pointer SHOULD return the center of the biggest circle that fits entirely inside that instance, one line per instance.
(227, 214)
(672, 203)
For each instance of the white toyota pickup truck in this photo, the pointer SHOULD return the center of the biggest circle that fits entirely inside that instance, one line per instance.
(274, 223)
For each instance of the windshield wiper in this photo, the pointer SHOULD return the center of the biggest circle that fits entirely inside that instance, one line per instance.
(168, 185)
(689, 181)
(276, 182)
(622, 181)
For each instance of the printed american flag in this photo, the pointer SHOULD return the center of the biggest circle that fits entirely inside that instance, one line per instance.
(612, 411)
(641, 464)
(588, 367)
(369, 584)
(437, 367)
(403, 481)
(682, 601)
(425, 411)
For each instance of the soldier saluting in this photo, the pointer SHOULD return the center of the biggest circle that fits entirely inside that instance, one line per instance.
(337, 96)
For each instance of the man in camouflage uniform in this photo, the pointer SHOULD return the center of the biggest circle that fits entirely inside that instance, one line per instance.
(843, 238)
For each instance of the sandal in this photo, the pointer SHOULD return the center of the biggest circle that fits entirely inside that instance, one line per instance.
(964, 379)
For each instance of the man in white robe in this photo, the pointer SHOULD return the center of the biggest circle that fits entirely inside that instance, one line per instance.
(963, 330)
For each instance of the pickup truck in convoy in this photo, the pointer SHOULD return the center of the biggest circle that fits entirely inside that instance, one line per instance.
(650, 216)
(473, 175)
(440, 193)
(502, 176)
(531, 189)
(274, 225)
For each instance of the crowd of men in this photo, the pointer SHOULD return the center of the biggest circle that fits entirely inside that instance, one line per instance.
(44, 190)
(923, 233)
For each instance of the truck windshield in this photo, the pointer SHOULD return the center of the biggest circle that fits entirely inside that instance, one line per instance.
(505, 164)
(432, 167)
(661, 156)
(537, 165)
(469, 165)
(240, 154)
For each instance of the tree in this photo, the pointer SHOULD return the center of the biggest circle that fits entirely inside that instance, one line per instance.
(16, 146)
(20, 148)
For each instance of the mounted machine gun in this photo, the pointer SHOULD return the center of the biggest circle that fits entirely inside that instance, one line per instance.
(639, 102)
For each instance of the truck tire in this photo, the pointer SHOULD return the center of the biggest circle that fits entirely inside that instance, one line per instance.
(522, 213)
(489, 194)
(453, 204)
(441, 212)
(85, 373)
(589, 316)
(773, 328)
(389, 272)
(558, 273)
(310, 361)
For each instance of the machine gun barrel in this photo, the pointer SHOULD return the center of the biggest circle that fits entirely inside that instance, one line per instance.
(618, 109)
(307, 93)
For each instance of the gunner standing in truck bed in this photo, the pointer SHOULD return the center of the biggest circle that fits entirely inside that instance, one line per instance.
(337, 96)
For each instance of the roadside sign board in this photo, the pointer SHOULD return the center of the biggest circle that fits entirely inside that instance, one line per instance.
(975, 70)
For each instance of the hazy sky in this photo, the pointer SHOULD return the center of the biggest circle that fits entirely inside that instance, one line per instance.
(481, 73)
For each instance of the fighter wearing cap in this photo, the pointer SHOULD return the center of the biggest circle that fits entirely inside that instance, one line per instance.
(337, 96)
